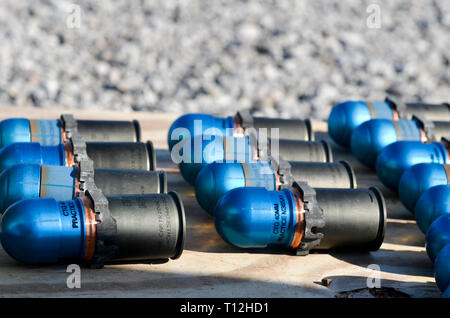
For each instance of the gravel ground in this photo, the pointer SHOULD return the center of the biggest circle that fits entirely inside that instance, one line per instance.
(286, 58)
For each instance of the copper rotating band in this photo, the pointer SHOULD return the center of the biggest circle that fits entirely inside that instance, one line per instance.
(77, 182)
(277, 181)
(447, 172)
(70, 158)
(397, 129)
(238, 129)
(91, 228)
(34, 131)
(300, 212)
(423, 136)
(395, 115)
(371, 109)
(246, 174)
(63, 135)
(447, 147)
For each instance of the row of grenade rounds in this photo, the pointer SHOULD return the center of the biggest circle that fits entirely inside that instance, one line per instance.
(408, 146)
(270, 185)
(84, 191)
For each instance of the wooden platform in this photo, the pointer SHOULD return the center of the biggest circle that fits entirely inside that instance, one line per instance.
(211, 268)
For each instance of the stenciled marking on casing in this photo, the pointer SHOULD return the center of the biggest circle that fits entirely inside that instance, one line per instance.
(164, 224)
(280, 223)
(68, 210)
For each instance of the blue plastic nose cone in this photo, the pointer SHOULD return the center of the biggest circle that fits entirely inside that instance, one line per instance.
(201, 153)
(431, 205)
(346, 116)
(251, 218)
(438, 235)
(442, 268)
(20, 153)
(400, 155)
(418, 179)
(207, 149)
(215, 179)
(190, 125)
(14, 130)
(45, 132)
(44, 231)
(372, 136)
(31, 152)
(19, 182)
(206, 187)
